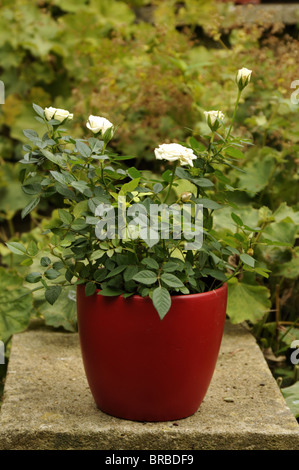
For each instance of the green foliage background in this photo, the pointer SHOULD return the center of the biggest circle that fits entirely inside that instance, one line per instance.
(152, 70)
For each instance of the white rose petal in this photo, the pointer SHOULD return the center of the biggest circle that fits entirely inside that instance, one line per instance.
(98, 124)
(49, 113)
(58, 114)
(173, 152)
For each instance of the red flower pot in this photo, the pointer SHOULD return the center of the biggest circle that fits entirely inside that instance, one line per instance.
(145, 369)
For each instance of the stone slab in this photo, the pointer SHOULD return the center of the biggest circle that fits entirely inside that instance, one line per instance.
(47, 403)
(284, 12)
(287, 13)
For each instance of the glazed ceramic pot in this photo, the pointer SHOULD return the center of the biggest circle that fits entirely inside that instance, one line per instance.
(142, 368)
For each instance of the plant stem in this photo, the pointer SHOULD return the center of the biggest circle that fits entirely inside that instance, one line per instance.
(255, 241)
(292, 325)
(277, 313)
(236, 271)
(102, 168)
(171, 181)
(210, 146)
(11, 227)
(234, 115)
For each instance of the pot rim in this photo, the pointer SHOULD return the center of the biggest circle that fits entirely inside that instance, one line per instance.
(138, 298)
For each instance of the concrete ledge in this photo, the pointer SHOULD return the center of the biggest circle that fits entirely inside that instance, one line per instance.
(287, 13)
(48, 405)
(284, 12)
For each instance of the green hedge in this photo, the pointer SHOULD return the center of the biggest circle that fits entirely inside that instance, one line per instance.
(152, 70)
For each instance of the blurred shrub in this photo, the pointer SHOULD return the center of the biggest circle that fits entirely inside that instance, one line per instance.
(152, 69)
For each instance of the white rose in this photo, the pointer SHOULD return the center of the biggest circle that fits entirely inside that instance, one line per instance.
(243, 77)
(173, 152)
(98, 124)
(212, 119)
(58, 114)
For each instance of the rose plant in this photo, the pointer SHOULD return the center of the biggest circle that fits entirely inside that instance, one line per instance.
(84, 175)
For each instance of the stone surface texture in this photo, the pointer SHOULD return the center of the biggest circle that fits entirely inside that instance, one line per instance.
(47, 403)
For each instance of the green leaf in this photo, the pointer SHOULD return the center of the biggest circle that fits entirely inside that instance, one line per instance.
(161, 301)
(65, 216)
(90, 289)
(78, 224)
(284, 231)
(97, 254)
(33, 277)
(17, 248)
(134, 173)
(32, 249)
(215, 273)
(116, 271)
(129, 187)
(196, 145)
(202, 182)
(247, 302)
(290, 269)
(15, 304)
(58, 265)
(52, 293)
(32, 189)
(45, 261)
(233, 152)
(145, 277)
(32, 204)
(91, 220)
(109, 292)
(150, 263)
(81, 186)
(130, 272)
(208, 203)
(157, 188)
(38, 110)
(127, 295)
(247, 259)
(52, 273)
(172, 266)
(80, 208)
(171, 280)
(291, 396)
(26, 262)
(237, 219)
(63, 313)
(182, 173)
(58, 159)
(62, 178)
(262, 272)
(166, 175)
(100, 274)
(31, 135)
(256, 176)
(83, 149)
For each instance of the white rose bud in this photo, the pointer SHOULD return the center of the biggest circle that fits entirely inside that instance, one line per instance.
(243, 78)
(213, 119)
(186, 196)
(98, 124)
(173, 152)
(57, 114)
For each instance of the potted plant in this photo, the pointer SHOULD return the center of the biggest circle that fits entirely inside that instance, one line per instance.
(150, 272)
